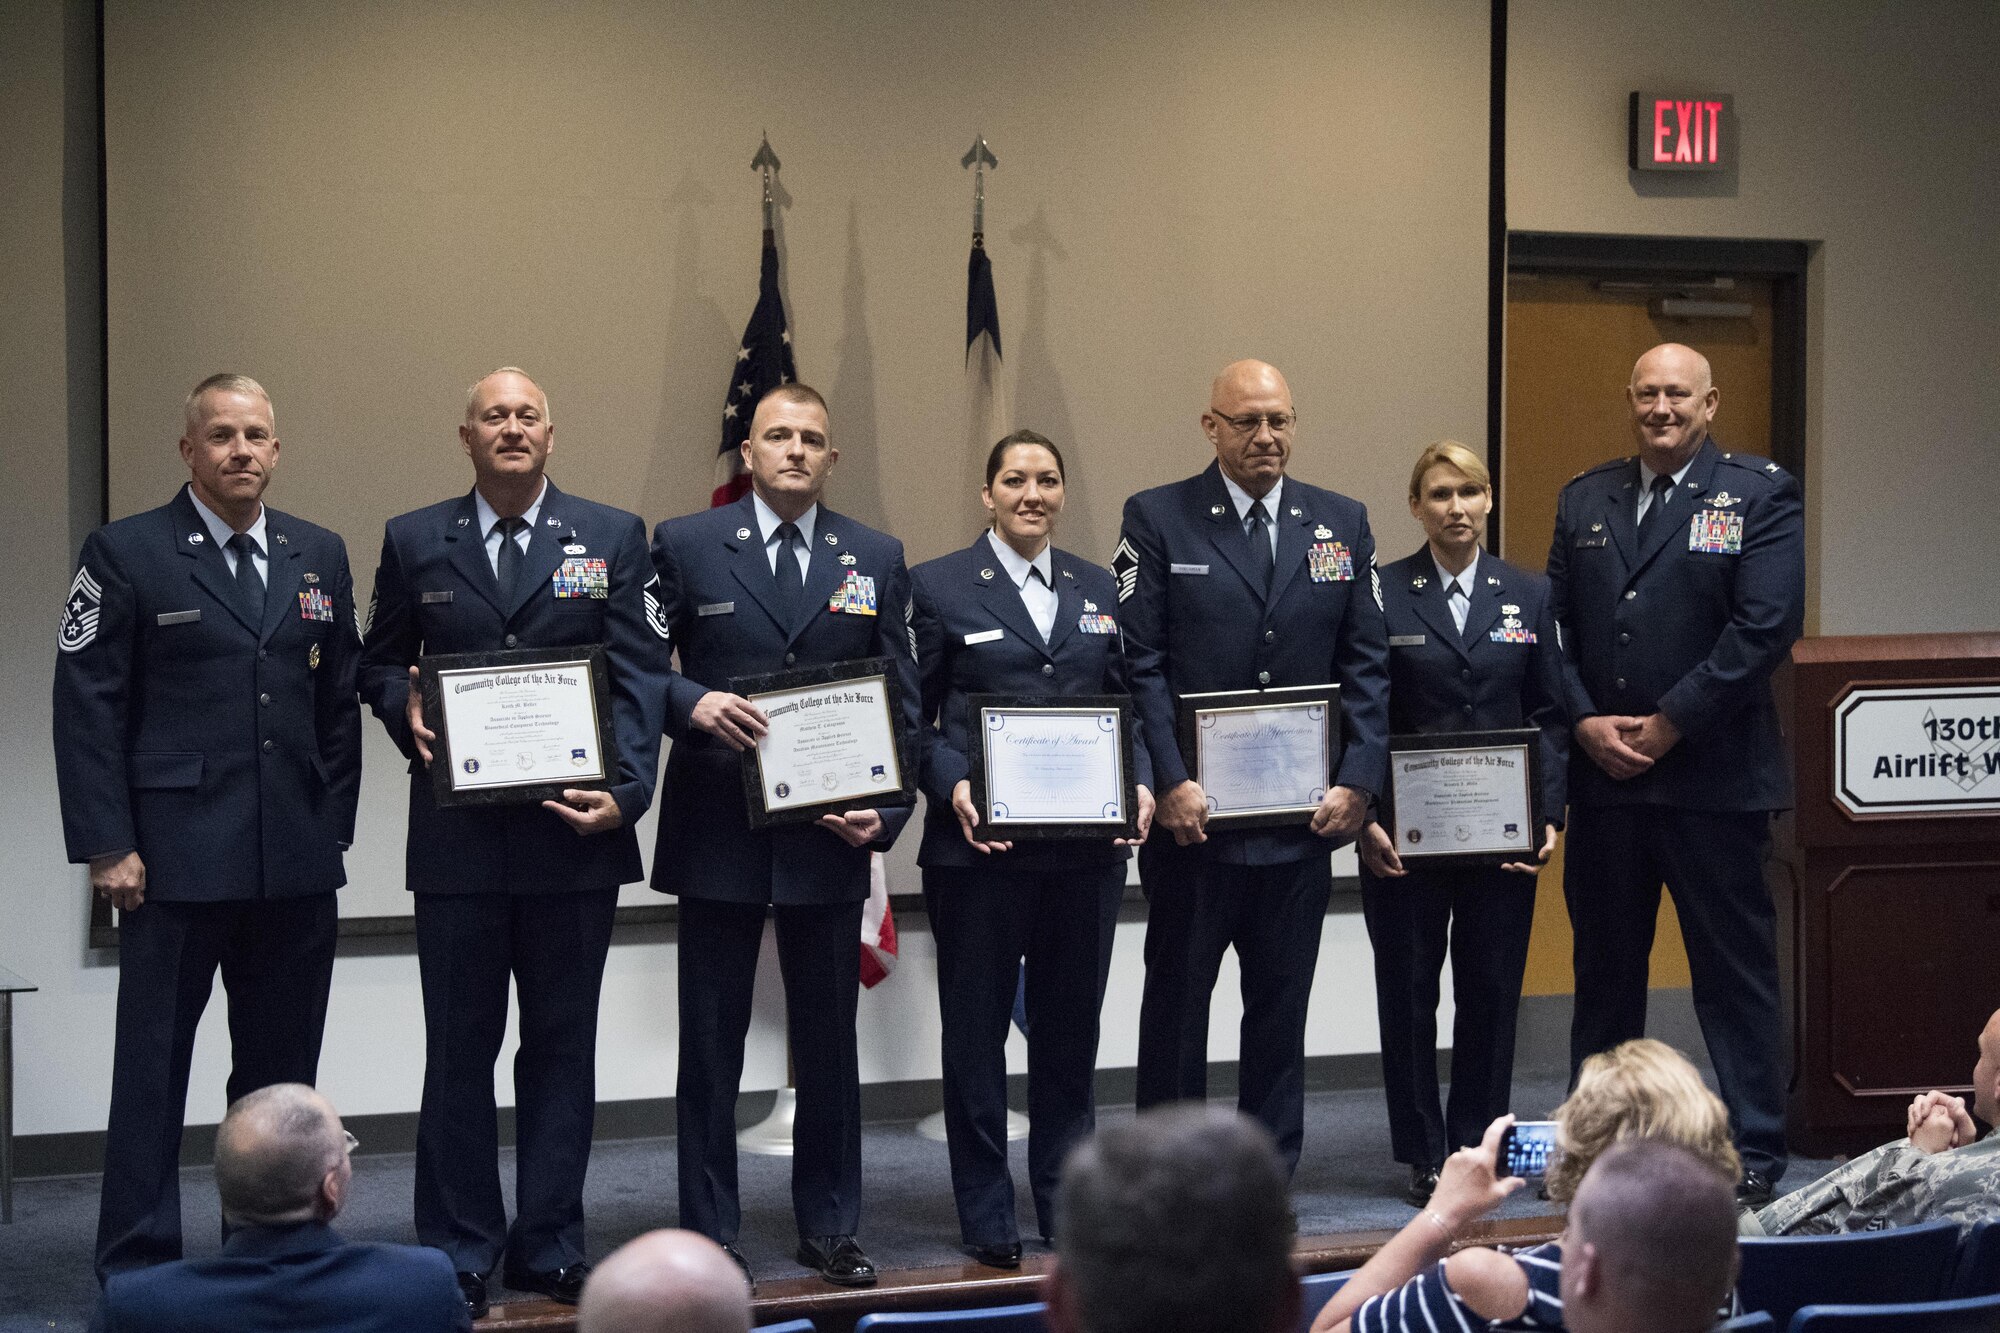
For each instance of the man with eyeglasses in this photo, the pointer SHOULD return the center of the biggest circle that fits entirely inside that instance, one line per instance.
(1243, 578)
(1678, 581)
(282, 1169)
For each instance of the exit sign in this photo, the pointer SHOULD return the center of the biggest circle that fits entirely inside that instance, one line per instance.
(1684, 132)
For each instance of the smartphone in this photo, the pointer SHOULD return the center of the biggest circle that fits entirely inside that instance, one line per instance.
(1526, 1147)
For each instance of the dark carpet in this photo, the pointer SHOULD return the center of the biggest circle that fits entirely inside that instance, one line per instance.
(1346, 1182)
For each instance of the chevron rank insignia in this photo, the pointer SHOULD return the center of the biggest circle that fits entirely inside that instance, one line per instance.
(1125, 568)
(656, 614)
(80, 611)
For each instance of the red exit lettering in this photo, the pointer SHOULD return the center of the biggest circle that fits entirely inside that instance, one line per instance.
(1686, 132)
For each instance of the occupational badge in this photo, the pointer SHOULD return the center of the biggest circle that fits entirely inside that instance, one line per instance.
(312, 658)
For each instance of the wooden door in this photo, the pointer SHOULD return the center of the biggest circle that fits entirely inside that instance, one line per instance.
(1571, 342)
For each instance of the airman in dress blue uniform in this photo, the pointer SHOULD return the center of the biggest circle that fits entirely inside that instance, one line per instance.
(1472, 647)
(527, 892)
(1241, 578)
(772, 582)
(1013, 615)
(1679, 584)
(208, 753)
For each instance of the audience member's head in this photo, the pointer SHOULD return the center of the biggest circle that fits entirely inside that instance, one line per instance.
(666, 1282)
(1640, 1089)
(1175, 1219)
(281, 1158)
(1986, 1073)
(1651, 1241)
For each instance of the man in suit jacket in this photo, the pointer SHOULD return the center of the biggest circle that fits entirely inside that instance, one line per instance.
(282, 1170)
(1242, 578)
(773, 582)
(208, 754)
(1679, 582)
(522, 890)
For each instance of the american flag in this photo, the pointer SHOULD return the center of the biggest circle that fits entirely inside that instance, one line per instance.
(763, 362)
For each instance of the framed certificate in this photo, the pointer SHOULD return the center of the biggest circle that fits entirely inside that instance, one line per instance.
(832, 744)
(1053, 767)
(1466, 797)
(1264, 757)
(518, 725)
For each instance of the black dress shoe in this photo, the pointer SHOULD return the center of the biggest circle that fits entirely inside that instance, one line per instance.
(1755, 1190)
(837, 1259)
(1423, 1181)
(742, 1263)
(1005, 1254)
(472, 1287)
(563, 1284)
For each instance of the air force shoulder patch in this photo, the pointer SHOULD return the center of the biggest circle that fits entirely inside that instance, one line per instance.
(1125, 568)
(80, 611)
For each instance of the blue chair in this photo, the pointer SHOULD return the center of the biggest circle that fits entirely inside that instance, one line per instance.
(992, 1319)
(1781, 1274)
(1978, 1272)
(1315, 1290)
(789, 1326)
(1756, 1322)
(1975, 1314)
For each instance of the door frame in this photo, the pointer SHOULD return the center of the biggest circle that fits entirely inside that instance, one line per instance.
(1595, 255)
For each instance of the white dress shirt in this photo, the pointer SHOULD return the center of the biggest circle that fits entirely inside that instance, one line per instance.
(1242, 500)
(768, 524)
(221, 532)
(489, 525)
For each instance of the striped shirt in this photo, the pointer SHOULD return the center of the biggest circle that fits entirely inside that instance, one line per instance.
(1427, 1304)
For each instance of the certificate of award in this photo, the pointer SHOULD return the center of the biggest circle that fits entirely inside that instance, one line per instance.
(1263, 757)
(831, 745)
(1469, 796)
(517, 726)
(1058, 767)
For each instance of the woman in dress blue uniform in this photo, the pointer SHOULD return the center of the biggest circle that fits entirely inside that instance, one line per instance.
(1011, 614)
(1472, 647)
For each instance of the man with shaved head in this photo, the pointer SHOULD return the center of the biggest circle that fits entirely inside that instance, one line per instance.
(519, 892)
(281, 1167)
(666, 1282)
(1650, 1245)
(1245, 578)
(1678, 577)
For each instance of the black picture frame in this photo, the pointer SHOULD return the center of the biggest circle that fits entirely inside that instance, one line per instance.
(1526, 739)
(902, 792)
(1189, 709)
(430, 670)
(1118, 705)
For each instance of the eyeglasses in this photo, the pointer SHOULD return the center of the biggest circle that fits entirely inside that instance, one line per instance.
(1280, 423)
(352, 1142)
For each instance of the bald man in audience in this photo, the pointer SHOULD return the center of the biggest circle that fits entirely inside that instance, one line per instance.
(1651, 1243)
(281, 1167)
(666, 1282)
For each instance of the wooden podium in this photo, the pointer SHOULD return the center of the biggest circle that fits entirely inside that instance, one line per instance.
(1895, 850)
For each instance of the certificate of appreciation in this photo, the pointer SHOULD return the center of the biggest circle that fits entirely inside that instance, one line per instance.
(1469, 796)
(1058, 767)
(1264, 758)
(517, 726)
(831, 745)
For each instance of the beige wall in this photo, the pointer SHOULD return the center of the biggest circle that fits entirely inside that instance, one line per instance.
(1868, 129)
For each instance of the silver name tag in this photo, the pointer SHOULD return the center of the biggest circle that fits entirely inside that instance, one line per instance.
(716, 609)
(1187, 569)
(430, 598)
(177, 617)
(984, 636)
(1406, 640)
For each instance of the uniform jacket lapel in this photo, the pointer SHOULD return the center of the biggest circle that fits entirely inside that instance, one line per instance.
(467, 547)
(1294, 535)
(281, 574)
(545, 549)
(823, 571)
(1619, 500)
(748, 561)
(210, 569)
(1069, 602)
(1002, 599)
(1674, 522)
(1489, 587)
(1225, 529)
(1429, 601)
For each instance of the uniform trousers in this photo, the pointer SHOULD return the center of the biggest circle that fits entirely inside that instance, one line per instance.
(819, 956)
(1712, 862)
(553, 946)
(276, 959)
(1273, 915)
(1483, 916)
(987, 921)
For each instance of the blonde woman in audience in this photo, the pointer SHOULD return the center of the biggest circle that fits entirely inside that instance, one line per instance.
(1641, 1089)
